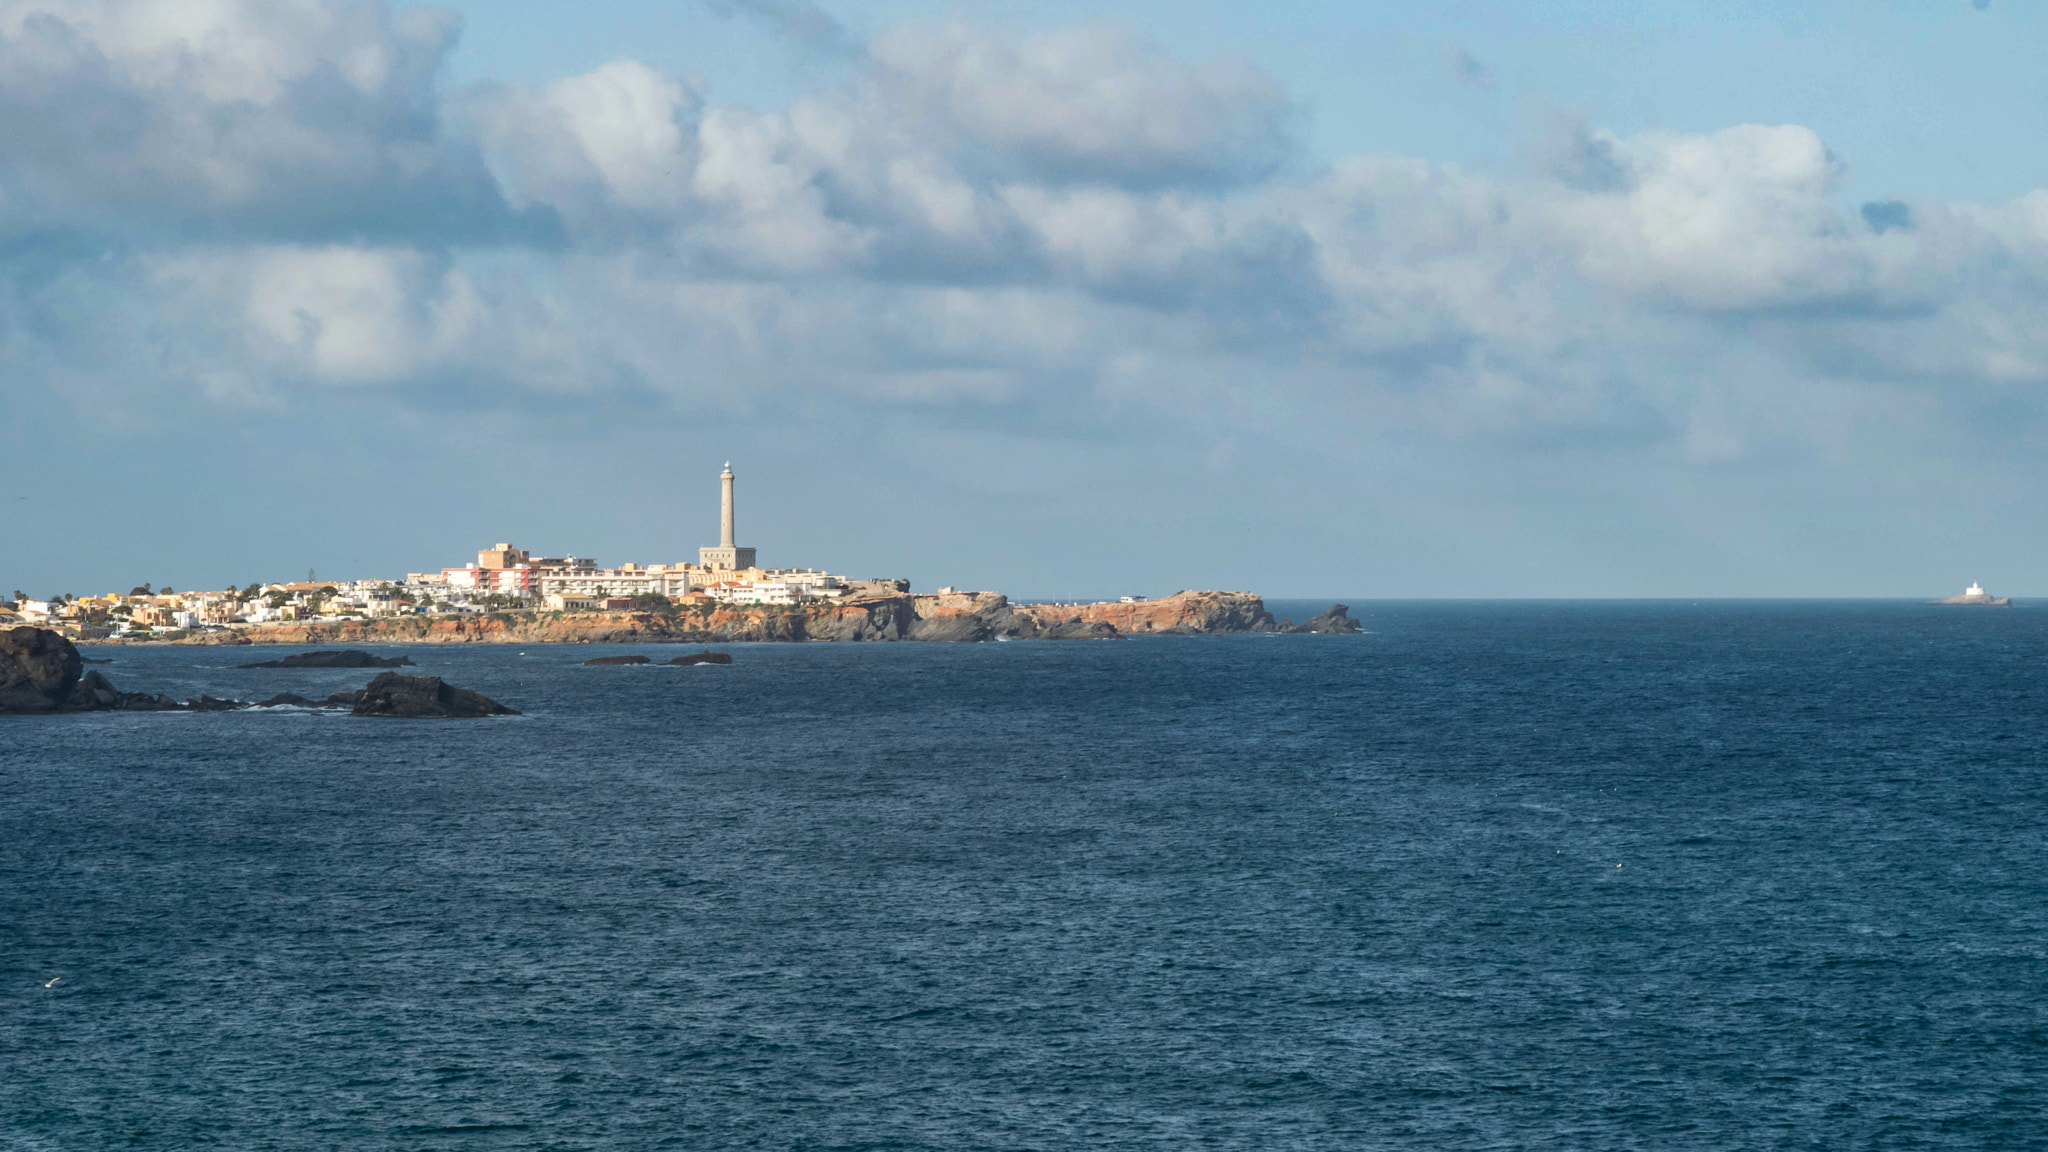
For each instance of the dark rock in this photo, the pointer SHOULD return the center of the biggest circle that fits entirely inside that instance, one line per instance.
(92, 693)
(1336, 621)
(617, 660)
(702, 658)
(423, 696)
(346, 699)
(288, 699)
(209, 704)
(38, 669)
(90, 660)
(145, 702)
(1080, 630)
(964, 627)
(349, 658)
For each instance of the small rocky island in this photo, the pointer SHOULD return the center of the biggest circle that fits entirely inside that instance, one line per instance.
(1976, 595)
(349, 658)
(41, 672)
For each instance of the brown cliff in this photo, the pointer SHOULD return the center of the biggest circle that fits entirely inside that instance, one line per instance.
(1180, 613)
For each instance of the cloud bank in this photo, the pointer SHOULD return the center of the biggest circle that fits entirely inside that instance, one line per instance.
(251, 206)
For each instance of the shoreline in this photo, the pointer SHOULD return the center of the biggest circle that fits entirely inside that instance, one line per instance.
(953, 617)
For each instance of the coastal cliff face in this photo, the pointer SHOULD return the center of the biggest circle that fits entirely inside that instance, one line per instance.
(962, 617)
(1180, 613)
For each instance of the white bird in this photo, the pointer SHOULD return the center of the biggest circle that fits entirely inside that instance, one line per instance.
(53, 981)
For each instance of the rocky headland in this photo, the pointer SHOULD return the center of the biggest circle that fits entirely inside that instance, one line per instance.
(958, 617)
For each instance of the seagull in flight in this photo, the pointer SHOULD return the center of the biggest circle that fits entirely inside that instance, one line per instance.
(53, 981)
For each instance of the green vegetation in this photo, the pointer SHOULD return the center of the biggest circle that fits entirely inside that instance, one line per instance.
(656, 603)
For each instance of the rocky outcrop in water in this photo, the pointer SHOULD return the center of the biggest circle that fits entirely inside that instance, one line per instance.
(606, 661)
(1334, 622)
(393, 695)
(294, 700)
(699, 658)
(95, 693)
(38, 670)
(349, 658)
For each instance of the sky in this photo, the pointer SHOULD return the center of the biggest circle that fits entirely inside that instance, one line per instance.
(1360, 300)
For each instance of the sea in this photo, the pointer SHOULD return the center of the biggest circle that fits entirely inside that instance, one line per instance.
(1520, 875)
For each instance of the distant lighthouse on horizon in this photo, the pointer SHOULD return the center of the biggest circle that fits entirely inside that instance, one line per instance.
(728, 554)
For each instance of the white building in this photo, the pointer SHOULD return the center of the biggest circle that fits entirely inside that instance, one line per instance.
(754, 592)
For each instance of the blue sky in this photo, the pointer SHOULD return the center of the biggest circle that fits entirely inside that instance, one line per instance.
(1351, 300)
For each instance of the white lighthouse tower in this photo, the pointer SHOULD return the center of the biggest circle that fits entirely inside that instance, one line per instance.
(728, 555)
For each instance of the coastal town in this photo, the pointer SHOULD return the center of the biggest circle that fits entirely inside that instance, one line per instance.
(501, 578)
(510, 594)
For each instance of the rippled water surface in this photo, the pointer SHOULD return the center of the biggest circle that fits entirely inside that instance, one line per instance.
(1578, 876)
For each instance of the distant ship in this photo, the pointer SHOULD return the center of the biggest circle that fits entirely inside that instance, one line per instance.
(1975, 594)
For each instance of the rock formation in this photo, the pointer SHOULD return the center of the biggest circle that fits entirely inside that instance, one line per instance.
(38, 669)
(350, 658)
(1178, 614)
(423, 696)
(94, 693)
(607, 660)
(294, 700)
(1336, 621)
(701, 658)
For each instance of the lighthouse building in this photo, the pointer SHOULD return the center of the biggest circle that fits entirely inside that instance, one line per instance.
(725, 572)
(728, 556)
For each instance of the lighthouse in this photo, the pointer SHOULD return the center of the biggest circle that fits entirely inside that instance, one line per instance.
(725, 507)
(728, 554)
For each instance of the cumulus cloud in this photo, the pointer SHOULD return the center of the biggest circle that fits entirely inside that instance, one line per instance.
(1055, 224)
(284, 117)
(1088, 103)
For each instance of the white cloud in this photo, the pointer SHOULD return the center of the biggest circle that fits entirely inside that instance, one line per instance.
(235, 117)
(1091, 103)
(1072, 225)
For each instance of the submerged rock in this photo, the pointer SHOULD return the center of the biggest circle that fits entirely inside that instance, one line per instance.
(701, 658)
(423, 696)
(293, 700)
(347, 658)
(602, 660)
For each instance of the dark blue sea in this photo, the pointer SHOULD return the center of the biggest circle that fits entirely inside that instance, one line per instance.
(1746, 875)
